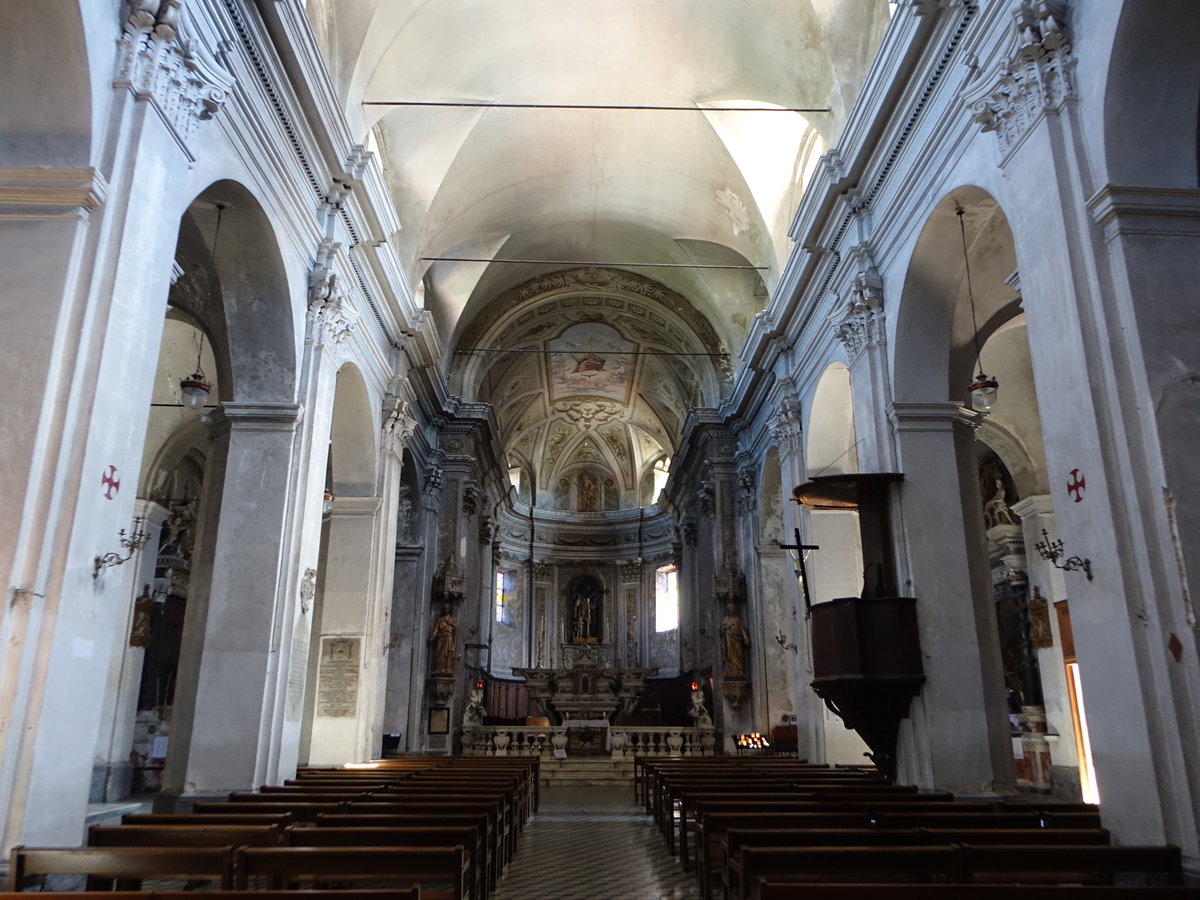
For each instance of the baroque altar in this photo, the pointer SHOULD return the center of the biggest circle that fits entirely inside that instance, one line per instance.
(583, 691)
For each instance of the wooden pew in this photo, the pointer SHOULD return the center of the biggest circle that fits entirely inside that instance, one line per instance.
(412, 893)
(815, 803)
(106, 865)
(771, 890)
(714, 822)
(502, 837)
(963, 863)
(280, 867)
(736, 839)
(192, 834)
(428, 834)
(492, 860)
(278, 819)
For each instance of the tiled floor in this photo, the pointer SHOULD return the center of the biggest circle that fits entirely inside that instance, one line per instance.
(593, 842)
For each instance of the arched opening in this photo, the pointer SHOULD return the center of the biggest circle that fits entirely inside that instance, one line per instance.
(339, 715)
(837, 569)
(780, 614)
(233, 286)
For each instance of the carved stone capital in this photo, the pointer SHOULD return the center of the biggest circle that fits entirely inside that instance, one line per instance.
(331, 316)
(399, 424)
(1038, 76)
(158, 62)
(543, 572)
(785, 427)
(747, 494)
(859, 322)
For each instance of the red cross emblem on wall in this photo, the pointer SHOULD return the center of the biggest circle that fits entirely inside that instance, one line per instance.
(1077, 485)
(110, 483)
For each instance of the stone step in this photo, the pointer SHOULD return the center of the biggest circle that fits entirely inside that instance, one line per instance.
(587, 771)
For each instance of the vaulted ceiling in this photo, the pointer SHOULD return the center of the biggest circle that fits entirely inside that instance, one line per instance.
(704, 192)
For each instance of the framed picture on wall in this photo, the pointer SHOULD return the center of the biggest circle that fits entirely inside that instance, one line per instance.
(439, 720)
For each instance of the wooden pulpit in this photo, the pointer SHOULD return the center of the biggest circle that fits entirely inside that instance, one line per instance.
(866, 650)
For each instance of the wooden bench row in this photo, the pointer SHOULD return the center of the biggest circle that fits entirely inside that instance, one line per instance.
(443, 869)
(952, 864)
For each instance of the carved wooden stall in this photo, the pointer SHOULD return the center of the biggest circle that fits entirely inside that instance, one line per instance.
(866, 650)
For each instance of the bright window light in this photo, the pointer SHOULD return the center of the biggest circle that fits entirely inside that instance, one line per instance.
(666, 599)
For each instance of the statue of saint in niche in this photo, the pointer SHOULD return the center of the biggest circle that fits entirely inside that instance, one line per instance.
(585, 609)
(445, 630)
(734, 641)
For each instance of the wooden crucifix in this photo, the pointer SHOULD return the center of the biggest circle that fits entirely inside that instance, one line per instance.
(800, 547)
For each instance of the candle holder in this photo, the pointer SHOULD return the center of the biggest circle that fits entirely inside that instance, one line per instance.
(1052, 552)
(133, 543)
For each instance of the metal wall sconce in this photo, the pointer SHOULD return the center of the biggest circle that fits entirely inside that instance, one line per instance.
(133, 544)
(1052, 551)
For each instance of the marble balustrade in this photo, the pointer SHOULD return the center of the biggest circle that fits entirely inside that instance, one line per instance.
(624, 741)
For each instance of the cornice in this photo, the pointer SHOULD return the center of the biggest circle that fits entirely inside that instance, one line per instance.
(50, 192)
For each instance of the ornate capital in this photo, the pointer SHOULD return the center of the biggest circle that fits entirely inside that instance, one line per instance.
(630, 571)
(399, 424)
(706, 496)
(688, 530)
(158, 62)
(470, 500)
(543, 572)
(1038, 77)
(746, 489)
(785, 427)
(859, 322)
(331, 316)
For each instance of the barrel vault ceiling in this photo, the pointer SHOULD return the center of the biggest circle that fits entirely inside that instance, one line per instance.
(584, 195)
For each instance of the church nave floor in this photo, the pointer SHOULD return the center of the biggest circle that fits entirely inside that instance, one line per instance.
(593, 842)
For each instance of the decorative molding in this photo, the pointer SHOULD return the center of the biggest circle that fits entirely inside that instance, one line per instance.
(859, 323)
(543, 572)
(331, 316)
(1122, 210)
(50, 192)
(589, 412)
(785, 425)
(399, 424)
(747, 494)
(1038, 77)
(688, 531)
(308, 590)
(935, 416)
(470, 500)
(158, 62)
(630, 572)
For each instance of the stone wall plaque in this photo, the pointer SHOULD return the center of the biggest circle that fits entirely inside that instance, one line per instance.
(297, 671)
(337, 677)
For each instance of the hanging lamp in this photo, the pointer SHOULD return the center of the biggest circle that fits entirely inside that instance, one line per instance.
(194, 390)
(984, 388)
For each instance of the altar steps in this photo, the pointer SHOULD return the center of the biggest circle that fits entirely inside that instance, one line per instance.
(588, 770)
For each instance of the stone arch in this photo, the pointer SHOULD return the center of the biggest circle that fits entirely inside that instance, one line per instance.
(770, 497)
(352, 440)
(1152, 100)
(235, 285)
(832, 443)
(935, 331)
(46, 118)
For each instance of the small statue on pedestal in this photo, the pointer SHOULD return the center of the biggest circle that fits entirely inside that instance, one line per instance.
(444, 641)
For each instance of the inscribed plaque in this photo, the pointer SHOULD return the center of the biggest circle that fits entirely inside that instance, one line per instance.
(337, 677)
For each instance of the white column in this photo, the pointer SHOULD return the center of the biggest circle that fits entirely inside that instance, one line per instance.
(237, 604)
(960, 723)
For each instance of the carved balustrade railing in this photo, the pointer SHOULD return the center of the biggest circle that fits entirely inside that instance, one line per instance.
(624, 741)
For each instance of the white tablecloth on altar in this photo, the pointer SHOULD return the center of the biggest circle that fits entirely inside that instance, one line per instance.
(592, 723)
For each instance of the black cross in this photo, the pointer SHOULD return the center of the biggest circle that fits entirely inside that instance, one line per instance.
(800, 547)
